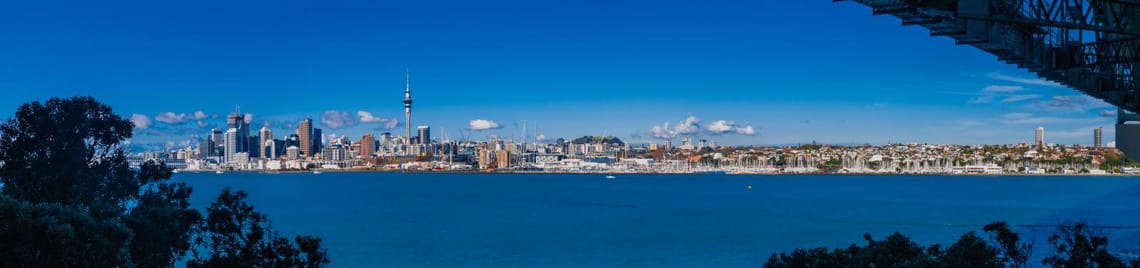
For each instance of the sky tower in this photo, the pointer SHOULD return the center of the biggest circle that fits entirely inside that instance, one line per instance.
(408, 106)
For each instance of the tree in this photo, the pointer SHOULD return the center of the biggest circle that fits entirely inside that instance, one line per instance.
(1012, 250)
(1079, 245)
(234, 234)
(53, 235)
(67, 151)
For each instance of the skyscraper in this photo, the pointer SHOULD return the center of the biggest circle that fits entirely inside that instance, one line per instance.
(367, 145)
(231, 144)
(318, 141)
(237, 122)
(266, 135)
(1040, 137)
(425, 134)
(408, 106)
(305, 135)
(1097, 138)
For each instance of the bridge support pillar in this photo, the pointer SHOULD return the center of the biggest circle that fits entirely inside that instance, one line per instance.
(1128, 135)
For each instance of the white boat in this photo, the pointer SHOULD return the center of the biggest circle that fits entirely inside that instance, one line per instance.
(316, 172)
(218, 171)
(610, 177)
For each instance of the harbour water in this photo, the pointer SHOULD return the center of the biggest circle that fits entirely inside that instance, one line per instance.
(547, 220)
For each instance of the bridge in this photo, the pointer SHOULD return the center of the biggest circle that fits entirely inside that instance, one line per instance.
(1092, 46)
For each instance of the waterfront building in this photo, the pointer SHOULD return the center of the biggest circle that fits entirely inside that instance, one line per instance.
(1097, 141)
(237, 122)
(305, 137)
(293, 153)
(367, 145)
(269, 149)
(231, 144)
(503, 159)
(219, 140)
(266, 138)
(1040, 137)
(318, 140)
(424, 134)
(206, 149)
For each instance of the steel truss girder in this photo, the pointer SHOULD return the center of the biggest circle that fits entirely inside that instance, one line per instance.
(1092, 46)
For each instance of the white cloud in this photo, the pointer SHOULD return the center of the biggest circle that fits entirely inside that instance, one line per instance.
(483, 124)
(170, 118)
(199, 115)
(1071, 103)
(202, 123)
(1002, 89)
(691, 125)
(540, 138)
(1017, 98)
(1107, 113)
(334, 119)
(141, 121)
(720, 126)
(1027, 81)
(248, 118)
(662, 132)
(367, 117)
(747, 130)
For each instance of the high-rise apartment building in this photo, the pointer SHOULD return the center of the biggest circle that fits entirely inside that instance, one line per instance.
(424, 134)
(367, 145)
(1097, 137)
(305, 135)
(1040, 137)
(266, 136)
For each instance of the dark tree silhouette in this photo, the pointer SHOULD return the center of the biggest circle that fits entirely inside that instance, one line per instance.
(236, 235)
(1012, 250)
(1079, 245)
(70, 199)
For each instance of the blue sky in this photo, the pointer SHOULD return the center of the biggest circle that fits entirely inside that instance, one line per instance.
(794, 71)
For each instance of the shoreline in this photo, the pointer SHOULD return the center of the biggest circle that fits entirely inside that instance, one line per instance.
(655, 173)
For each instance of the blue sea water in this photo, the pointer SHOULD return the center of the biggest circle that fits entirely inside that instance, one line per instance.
(546, 220)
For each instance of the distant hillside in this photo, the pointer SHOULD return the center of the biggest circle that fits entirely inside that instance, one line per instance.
(597, 139)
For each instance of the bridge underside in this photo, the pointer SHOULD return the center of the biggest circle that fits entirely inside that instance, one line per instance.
(1089, 45)
(1092, 46)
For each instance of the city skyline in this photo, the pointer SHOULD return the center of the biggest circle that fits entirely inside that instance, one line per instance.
(572, 69)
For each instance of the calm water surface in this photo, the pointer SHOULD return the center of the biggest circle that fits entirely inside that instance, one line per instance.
(447, 220)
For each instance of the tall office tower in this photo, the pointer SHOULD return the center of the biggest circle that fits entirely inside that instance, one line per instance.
(425, 134)
(367, 145)
(219, 141)
(231, 144)
(236, 122)
(269, 149)
(318, 140)
(266, 135)
(668, 145)
(305, 135)
(248, 145)
(206, 149)
(408, 106)
(1097, 141)
(1040, 137)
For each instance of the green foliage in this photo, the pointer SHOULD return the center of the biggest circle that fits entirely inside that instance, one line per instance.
(70, 198)
(597, 139)
(53, 235)
(66, 151)
(236, 235)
